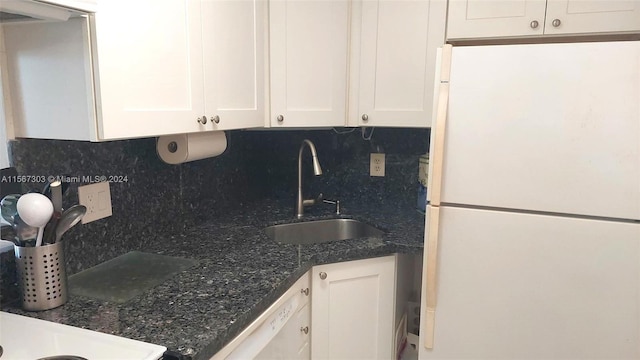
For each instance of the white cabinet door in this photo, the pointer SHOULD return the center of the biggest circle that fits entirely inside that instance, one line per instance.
(397, 52)
(589, 16)
(352, 309)
(149, 60)
(234, 40)
(546, 127)
(477, 19)
(524, 286)
(485, 19)
(308, 61)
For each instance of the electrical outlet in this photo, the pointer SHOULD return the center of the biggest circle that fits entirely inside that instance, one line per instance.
(376, 167)
(97, 198)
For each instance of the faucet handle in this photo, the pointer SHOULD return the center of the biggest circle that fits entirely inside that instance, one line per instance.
(333, 202)
(310, 202)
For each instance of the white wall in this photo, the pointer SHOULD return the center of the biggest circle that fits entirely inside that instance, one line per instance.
(6, 131)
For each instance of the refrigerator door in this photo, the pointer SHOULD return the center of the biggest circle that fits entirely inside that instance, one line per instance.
(545, 127)
(529, 286)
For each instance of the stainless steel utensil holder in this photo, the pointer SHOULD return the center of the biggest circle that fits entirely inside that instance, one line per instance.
(42, 276)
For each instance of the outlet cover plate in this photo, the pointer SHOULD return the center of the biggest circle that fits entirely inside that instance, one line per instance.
(376, 167)
(97, 198)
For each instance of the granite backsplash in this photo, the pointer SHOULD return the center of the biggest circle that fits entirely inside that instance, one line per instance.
(158, 198)
(345, 160)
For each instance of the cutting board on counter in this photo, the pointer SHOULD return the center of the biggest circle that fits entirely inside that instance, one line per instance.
(127, 276)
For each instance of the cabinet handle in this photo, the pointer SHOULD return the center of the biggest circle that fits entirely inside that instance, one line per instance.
(305, 291)
(440, 127)
(365, 117)
(202, 120)
(216, 119)
(556, 22)
(280, 118)
(323, 275)
(304, 329)
(534, 24)
(430, 274)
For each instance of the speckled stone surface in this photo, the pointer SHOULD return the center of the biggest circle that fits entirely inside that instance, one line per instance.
(156, 198)
(240, 273)
(214, 210)
(345, 163)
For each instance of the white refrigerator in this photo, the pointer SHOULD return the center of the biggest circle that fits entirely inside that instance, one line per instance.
(532, 241)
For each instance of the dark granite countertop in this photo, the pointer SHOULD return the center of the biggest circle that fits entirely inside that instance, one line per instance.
(240, 273)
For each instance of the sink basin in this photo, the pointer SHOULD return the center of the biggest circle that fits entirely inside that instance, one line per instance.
(319, 231)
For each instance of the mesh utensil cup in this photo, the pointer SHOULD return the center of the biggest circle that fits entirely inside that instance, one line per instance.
(42, 276)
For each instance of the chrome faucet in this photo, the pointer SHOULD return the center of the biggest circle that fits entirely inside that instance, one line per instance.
(301, 203)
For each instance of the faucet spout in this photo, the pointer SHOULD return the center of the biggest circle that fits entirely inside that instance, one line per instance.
(317, 170)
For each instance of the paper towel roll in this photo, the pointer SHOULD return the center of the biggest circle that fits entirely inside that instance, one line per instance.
(180, 148)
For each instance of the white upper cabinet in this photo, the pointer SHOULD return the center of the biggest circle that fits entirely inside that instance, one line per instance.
(158, 68)
(203, 65)
(308, 60)
(393, 63)
(234, 40)
(471, 19)
(580, 16)
(519, 18)
(149, 74)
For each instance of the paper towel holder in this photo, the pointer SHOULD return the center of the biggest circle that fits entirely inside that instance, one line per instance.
(180, 148)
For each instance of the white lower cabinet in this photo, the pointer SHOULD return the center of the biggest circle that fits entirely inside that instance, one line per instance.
(353, 309)
(352, 315)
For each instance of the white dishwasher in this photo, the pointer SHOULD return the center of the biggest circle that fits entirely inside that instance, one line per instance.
(280, 332)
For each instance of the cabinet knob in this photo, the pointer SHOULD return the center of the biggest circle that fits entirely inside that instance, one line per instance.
(556, 22)
(216, 119)
(534, 24)
(305, 291)
(323, 275)
(365, 117)
(280, 118)
(202, 120)
(304, 329)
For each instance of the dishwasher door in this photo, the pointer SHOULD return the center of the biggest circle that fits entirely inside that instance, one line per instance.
(281, 331)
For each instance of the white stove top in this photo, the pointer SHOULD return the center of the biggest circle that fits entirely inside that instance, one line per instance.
(24, 338)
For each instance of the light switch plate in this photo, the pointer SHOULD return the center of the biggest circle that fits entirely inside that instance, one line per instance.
(97, 198)
(376, 167)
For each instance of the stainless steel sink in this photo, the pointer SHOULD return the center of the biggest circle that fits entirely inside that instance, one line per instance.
(319, 231)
